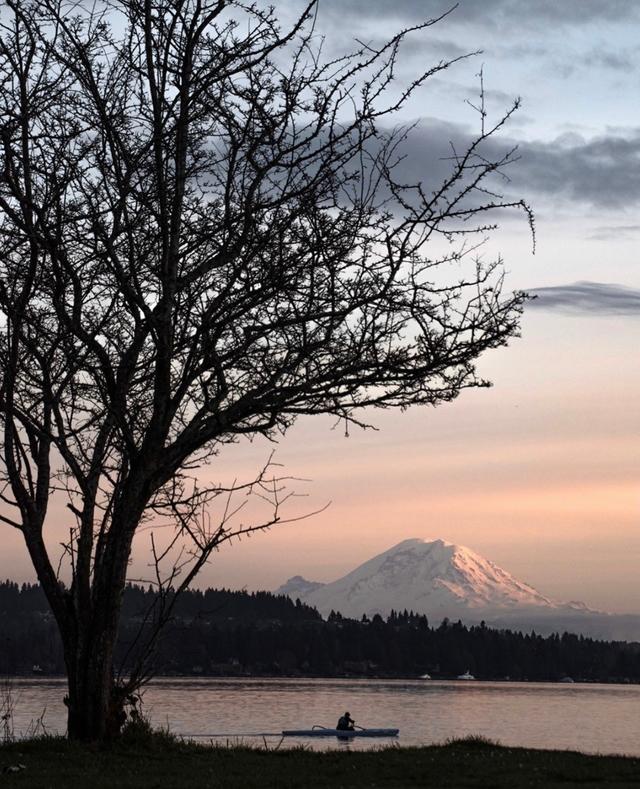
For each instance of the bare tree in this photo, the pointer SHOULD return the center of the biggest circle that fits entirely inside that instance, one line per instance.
(202, 238)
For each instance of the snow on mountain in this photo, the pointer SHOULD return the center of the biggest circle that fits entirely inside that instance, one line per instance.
(441, 580)
(432, 577)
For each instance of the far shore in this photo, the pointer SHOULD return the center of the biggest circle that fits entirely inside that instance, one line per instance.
(378, 677)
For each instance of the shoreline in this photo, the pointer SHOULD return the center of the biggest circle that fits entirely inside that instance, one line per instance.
(155, 760)
(351, 677)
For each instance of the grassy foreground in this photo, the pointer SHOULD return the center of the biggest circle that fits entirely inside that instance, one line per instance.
(162, 762)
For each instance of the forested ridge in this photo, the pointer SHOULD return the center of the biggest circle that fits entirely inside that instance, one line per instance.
(237, 633)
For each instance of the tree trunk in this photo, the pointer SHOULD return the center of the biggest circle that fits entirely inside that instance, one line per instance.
(95, 701)
(95, 708)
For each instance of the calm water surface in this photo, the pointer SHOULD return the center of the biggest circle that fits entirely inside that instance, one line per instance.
(592, 718)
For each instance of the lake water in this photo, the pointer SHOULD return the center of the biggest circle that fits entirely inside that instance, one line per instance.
(591, 718)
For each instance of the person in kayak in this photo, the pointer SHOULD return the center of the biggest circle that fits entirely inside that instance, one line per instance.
(345, 723)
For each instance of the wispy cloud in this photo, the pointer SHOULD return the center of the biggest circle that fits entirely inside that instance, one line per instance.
(614, 233)
(587, 297)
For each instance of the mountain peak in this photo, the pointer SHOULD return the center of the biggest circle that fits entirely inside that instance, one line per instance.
(434, 577)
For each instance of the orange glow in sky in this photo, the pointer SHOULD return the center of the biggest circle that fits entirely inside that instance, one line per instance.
(541, 473)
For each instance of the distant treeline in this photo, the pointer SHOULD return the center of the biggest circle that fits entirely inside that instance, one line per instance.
(223, 633)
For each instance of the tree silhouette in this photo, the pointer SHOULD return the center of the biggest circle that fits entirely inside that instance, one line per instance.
(203, 238)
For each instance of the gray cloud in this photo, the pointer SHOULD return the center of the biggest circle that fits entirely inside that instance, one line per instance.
(601, 172)
(625, 62)
(587, 297)
(507, 29)
(436, 47)
(469, 92)
(492, 13)
(520, 50)
(600, 58)
(614, 232)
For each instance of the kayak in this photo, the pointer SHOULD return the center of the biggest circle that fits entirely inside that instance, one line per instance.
(320, 732)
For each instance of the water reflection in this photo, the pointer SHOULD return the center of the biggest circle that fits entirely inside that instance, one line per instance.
(594, 718)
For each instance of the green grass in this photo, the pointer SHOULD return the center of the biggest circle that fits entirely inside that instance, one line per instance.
(161, 761)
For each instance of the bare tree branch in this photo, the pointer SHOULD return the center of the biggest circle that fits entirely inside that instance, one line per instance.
(204, 237)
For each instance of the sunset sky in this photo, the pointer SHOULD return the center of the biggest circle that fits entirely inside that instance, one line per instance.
(541, 473)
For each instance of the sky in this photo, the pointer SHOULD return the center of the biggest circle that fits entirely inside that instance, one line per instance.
(540, 473)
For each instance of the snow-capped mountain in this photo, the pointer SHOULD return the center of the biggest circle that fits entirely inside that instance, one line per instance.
(441, 580)
(434, 577)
